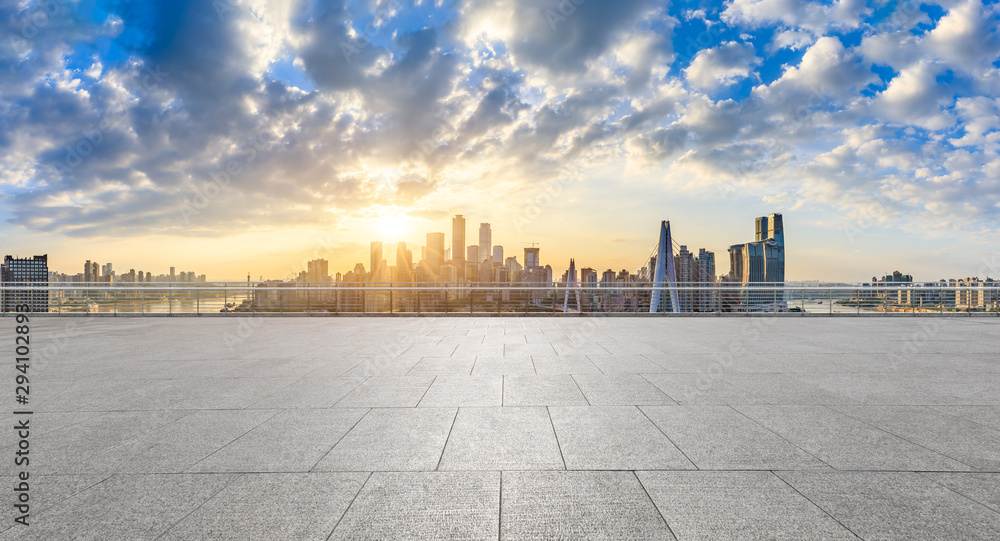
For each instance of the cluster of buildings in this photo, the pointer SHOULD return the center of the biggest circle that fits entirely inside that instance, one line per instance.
(34, 271)
(440, 263)
(970, 293)
(95, 273)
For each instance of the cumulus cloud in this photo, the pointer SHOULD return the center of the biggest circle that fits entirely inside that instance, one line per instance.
(722, 65)
(185, 119)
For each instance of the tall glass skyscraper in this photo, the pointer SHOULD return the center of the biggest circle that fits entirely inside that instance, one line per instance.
(458, 244)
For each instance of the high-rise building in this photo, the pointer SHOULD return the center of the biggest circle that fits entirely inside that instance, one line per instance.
(435, 253)
(458, 244)
(375, 263)
(26, 271)
(687, 276)
(485, 242)
(173, 274)
(498, 255)
(87, 276)
(761, 261)
(471, 265)
(318, 271)
(706, 261)
(404, 263)
(531, 258)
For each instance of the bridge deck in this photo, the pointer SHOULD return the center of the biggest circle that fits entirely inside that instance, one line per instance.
(511, 428)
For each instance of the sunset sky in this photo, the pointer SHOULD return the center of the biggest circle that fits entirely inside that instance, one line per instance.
(228, 136)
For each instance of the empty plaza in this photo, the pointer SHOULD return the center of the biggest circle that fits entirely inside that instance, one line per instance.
(510, 428)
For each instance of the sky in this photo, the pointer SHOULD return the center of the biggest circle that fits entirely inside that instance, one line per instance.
(246, 136)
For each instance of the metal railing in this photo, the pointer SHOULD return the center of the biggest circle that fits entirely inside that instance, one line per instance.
(291, 298)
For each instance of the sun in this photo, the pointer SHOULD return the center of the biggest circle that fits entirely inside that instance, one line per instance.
(392, 228)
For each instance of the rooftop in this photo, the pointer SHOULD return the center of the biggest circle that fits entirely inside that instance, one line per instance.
(511, 428)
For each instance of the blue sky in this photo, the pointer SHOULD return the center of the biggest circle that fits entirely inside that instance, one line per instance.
(235, 136)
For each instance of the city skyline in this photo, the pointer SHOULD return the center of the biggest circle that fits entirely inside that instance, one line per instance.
(317, 127)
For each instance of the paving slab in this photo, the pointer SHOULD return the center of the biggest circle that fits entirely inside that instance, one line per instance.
(392, 439)
(556, 390)
(981, 487)
(620, 390)
(291, 441)
(124, 507)
(274, 506)
(387, 392)
(464, 390)
(507, 438)
(968, 442)
(613, 438)
(424, 505)
(846, 443)
(896, 505)
(177, 446)
(737, 505)
(578, 505)
(720, 438)
(703, 388)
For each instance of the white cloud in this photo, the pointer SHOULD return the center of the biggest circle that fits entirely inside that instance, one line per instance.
(915, 97)
(791, 39)
(722, 65)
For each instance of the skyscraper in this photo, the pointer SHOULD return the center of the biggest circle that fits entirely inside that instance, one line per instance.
(761, 261)
(318, 271)
(87, 276)
(485, 242)
(26, 271)
(375, 265)
(458, 244)
(531, 258)
(498, 255)
(404, 263)
(435, 253)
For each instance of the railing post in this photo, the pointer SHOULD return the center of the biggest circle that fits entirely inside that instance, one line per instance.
(472, 296)
(307, 299)
(197, 302)
(114, 300)
(390, 297)
(142, 302)
(418, 301)
(170, 299)
(446, 298)
(363, 307)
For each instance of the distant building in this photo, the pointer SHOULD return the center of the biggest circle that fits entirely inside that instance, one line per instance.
(458, 244)
(375, 262)
(26, 271)
(498, 255)
(404, 263)
(531, 258)
(485, 242)
(318, 271)
(435, 254)
(761, 262)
